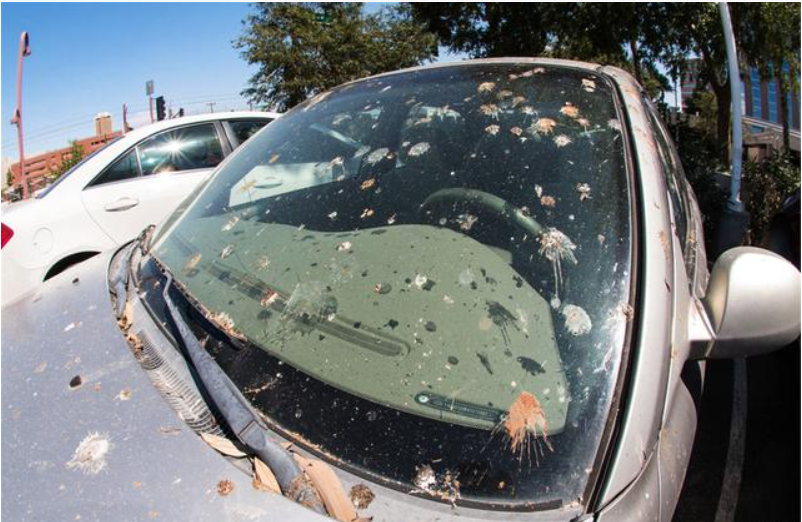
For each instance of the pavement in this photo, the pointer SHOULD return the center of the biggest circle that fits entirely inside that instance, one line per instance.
(753, 447)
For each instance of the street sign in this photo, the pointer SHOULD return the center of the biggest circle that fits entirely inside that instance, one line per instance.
(149, 88)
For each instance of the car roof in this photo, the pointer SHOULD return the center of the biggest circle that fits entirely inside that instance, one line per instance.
(104, 156)
(512, 60)
(147, 130)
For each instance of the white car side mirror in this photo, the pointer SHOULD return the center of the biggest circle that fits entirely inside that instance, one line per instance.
(753, 303)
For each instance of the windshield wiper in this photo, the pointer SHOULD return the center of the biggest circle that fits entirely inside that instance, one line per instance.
(240, 416)
(123, 274)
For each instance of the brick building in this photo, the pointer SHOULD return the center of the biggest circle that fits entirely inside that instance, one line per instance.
(39, 167)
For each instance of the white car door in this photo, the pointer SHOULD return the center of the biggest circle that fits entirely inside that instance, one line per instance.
(144, 185)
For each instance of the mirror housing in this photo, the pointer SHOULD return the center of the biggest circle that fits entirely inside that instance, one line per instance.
(752, 302)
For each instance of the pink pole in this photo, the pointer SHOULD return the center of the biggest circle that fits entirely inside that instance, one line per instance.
(24, 50)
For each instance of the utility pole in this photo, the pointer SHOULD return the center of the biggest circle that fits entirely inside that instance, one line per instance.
(125, 118)
(211, 106)
(24, 50)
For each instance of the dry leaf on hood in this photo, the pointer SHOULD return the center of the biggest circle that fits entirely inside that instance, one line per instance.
(223, 445)
(329, 487)
(263, 478)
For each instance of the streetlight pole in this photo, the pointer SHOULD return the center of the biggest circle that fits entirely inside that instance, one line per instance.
(24, 50)
(734, 219)
(734, 203)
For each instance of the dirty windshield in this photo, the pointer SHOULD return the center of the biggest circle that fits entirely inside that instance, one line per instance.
(426, 277)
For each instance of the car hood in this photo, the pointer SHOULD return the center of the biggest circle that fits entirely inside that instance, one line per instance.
(145, 463)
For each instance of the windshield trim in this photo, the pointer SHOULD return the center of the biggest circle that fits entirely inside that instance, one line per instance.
(608, 443)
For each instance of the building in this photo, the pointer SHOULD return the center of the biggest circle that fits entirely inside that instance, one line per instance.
(103, 124)
(760, 105)
(38, 168)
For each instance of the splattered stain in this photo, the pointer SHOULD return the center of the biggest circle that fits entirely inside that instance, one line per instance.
(485, 362)
(531, 366)
(524, 423)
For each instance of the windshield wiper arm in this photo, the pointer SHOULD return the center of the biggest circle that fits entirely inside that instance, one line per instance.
(123, 275)
(240, 416)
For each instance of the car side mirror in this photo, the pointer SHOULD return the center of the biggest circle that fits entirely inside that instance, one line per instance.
(753, 303)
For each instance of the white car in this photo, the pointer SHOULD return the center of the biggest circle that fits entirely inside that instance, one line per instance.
(113, 194)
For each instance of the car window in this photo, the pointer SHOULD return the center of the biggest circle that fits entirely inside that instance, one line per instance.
(123, 169)
(244, 129)
(675, 182)
(187, 148)
(74, 169)
(432, 273)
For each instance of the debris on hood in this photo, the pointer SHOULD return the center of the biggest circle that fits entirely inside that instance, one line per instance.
(263, 477)
(446, 486)
(223, 445)
(91, 454)
(361, 496)
(329, 487)
(225, 487)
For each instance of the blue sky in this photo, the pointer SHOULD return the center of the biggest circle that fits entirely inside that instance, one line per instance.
(88, 58)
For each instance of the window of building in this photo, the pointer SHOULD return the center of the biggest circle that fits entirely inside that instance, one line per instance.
(757, 106)
(773, 113)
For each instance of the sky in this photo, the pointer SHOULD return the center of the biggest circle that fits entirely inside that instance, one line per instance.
(91, 58)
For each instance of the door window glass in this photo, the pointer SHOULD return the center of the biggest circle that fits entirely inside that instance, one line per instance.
(123, 169)
(187, 148)
(244, 129)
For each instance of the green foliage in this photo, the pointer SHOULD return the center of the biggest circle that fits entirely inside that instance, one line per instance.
(490, 29)
(68, 160)
(611, 34)
(765, 185)
(9, 178)
(303, 49)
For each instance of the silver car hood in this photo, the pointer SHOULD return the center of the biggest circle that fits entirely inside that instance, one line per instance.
(153, 467)
(148, 465)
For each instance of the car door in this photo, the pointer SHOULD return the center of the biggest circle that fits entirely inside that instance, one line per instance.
(146, 183)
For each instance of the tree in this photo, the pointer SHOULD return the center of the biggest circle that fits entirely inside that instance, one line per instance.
(611, 34)
(303, 49)
(68, 160)
(489, 29)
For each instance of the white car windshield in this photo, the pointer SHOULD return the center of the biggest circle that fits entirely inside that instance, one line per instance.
(429, 273)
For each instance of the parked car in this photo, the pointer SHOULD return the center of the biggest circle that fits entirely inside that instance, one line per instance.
(457, 292)
(108, 198)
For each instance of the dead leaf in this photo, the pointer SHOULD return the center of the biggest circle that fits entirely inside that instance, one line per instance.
(223, 445)
(329, 487)
(263, 477)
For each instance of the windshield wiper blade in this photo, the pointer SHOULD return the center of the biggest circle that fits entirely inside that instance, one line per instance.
(240, 416)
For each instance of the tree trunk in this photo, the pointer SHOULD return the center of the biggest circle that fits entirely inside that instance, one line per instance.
(784, 112)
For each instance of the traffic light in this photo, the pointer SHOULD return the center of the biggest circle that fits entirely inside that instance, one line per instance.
(160, 113)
